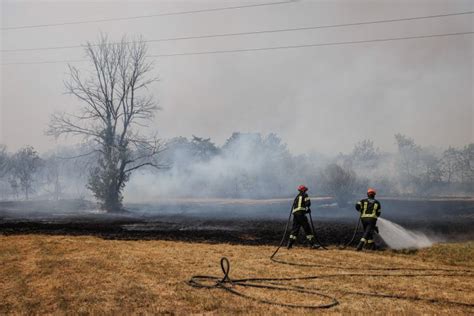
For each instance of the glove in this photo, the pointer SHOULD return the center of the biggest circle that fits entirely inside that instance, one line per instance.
(376, 229)
(308, 211)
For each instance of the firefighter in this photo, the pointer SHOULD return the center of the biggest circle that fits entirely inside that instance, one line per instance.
(369, 210)
(301, 206)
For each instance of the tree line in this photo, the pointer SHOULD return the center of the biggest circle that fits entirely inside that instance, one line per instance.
(115, 112)
(249, 165)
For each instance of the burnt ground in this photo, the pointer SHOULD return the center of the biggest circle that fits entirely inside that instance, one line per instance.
(233, 221)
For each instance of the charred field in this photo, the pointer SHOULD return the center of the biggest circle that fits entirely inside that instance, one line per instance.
(66, 257)
(248, 222)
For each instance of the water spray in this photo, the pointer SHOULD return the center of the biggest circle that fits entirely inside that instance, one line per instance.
(397, 237)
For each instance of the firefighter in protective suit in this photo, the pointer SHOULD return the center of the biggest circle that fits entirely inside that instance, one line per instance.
(301, 206)
(370, 210)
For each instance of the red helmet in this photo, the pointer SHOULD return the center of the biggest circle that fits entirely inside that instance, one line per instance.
(302, 188)
(371, 191)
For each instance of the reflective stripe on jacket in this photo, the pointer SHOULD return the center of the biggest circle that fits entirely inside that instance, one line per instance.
(301, 203)
(369, 208)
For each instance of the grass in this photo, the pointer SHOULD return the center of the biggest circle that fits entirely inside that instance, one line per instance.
(451, 254)
(88, 275)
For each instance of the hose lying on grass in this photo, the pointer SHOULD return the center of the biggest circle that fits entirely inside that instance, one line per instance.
(226, 283)
(281, 284)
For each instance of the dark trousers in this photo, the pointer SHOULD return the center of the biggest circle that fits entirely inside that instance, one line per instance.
(369, 228)
(299, 220)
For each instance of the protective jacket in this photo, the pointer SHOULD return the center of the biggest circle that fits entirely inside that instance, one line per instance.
(301, 203)
(369, 208)
(300, 207)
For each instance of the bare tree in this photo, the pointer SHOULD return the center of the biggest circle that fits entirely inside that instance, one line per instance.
(25, 163)
(114, 107)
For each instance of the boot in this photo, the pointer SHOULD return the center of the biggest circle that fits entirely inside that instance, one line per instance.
(371, 246)
(360, 246)
(315, 246)
(290, 244)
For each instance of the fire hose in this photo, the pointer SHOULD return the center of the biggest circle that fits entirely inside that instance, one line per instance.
(347, 244)
(228, 284)
(282, 241)
(281, 284)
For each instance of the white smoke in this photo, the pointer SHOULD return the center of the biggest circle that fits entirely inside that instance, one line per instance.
(247, 166)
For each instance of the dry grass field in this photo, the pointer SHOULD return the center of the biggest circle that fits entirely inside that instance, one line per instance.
(88, 275)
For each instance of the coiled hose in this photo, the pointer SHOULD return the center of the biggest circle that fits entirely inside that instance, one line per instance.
(278, 284)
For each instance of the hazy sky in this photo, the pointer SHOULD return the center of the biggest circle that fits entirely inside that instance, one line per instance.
(320, 98)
